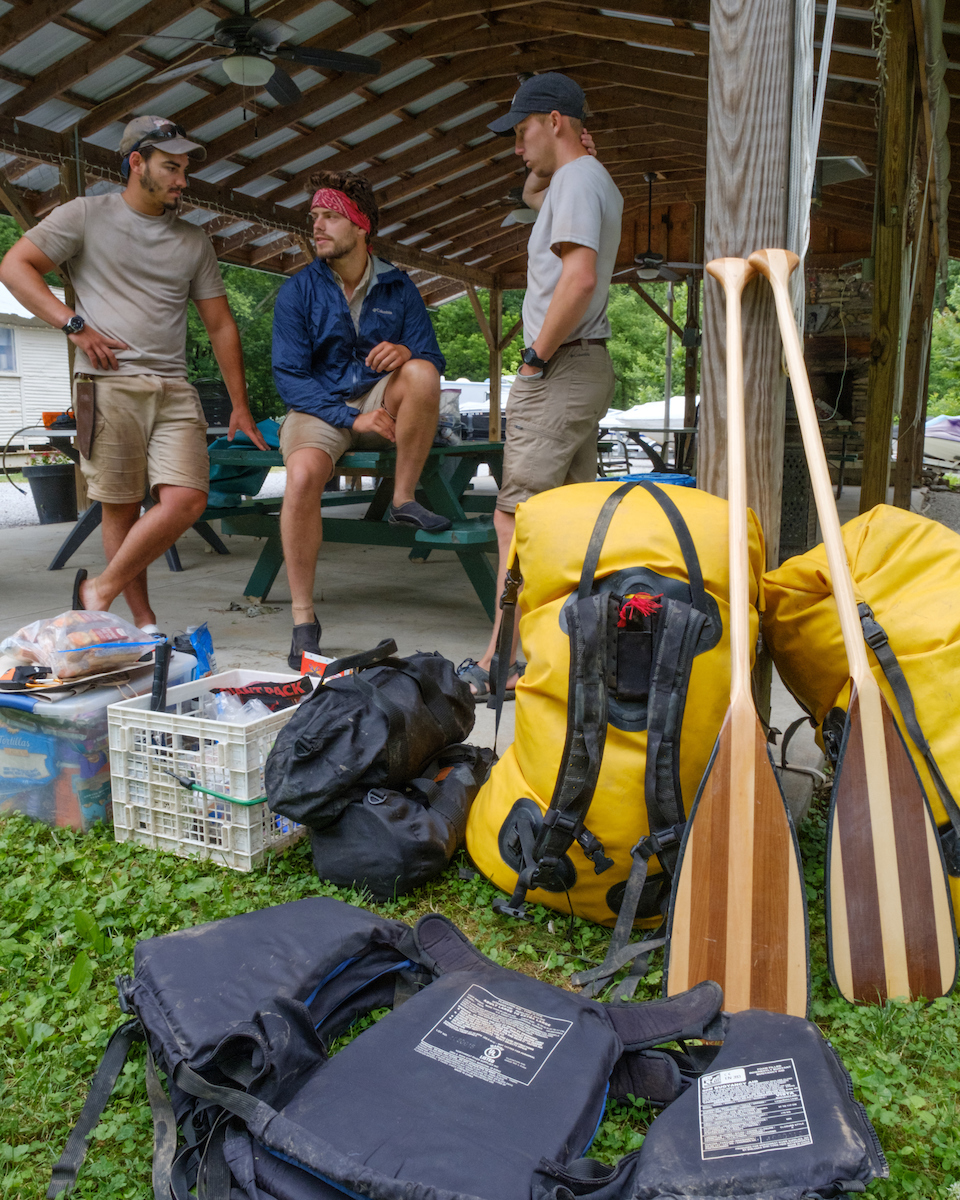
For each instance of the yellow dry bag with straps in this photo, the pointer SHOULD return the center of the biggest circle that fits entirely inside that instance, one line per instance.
(624, 625)
(906, 577)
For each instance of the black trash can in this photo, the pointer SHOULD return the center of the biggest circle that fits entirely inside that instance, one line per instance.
(54, 490)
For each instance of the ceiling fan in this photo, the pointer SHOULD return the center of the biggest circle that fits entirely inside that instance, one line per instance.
(651, 264)
(246, 48)
(520, 213)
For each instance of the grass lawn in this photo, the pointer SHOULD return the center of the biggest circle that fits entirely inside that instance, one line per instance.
(74, 907)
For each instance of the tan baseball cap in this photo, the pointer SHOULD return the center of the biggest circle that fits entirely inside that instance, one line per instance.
(159, 131)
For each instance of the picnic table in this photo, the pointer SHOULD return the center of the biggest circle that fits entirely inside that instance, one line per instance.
(443, 487)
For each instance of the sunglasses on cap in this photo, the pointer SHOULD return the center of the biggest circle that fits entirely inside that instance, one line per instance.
(163, 133)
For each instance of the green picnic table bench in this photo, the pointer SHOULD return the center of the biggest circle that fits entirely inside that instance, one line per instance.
(443, 488)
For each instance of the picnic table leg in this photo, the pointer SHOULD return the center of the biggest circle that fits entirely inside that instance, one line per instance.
(483, 575)
(87, 523)
(377, 508)
(210, 537)
(267, 569)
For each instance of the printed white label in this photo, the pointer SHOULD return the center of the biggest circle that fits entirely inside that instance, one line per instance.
(488, 1038)
(752, 1110)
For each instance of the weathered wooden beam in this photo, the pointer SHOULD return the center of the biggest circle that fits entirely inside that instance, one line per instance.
(895, 147)
(456, 139)
(426, 122)
(435, 222)
(751, 71)
(13, 201)
(427, 205)
(440, 173)
(19, 23)
(481, 316)
(916, 358)
(407, 256)
(496, 360)
(436, 295)
(619, 29)
(651, 303)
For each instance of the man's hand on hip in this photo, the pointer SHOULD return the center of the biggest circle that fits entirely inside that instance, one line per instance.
(378, 421)
(387, 356)
(98, 348)
(525, 369)
(241, 421)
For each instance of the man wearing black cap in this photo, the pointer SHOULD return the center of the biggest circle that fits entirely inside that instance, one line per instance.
(566, 381)
(134, 265)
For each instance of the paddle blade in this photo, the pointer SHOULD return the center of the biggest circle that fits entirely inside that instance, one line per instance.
(890, 929)
(738, 913)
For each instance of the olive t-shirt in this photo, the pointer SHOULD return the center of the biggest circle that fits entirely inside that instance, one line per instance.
(581, 205)
(133, 275)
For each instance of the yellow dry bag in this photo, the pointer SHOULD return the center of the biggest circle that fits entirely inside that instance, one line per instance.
(906, 575)
(624, 624)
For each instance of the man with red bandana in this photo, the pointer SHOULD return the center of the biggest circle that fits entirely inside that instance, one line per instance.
(357, 364)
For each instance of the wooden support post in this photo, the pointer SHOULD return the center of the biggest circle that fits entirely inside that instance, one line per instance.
(651, 303)
(748, 147)
(495, 327)
(481, 316)
(915, 372)
(896, 133)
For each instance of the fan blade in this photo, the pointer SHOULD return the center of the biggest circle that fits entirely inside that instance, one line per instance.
(169, 37)
(685, 266)
(269, 33)
(668, 275)
(333, 60)
(186, 69)
(282, 88)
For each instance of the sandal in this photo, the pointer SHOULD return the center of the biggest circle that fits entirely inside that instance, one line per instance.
(472, 673)
(76, 603)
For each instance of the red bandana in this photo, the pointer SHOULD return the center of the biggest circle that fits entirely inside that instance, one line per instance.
(339, 202)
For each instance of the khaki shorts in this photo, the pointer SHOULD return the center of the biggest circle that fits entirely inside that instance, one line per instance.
(150, 429)
(552, 424)
(302, 430)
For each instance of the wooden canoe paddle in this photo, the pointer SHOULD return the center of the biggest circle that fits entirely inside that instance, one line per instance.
(890, 926)
(738, 913)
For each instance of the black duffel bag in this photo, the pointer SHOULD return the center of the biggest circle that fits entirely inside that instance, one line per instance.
(378, 727)
(390, 841)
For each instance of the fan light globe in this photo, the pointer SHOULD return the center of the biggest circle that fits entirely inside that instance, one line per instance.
(648, 272)
(249, 70)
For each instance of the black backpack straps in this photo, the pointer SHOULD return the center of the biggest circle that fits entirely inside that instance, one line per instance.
(508, 608)
(64, 1173)
(876, 638)
(164, 1132)
(698, 595)
(356, 662)
(691, 1014)
(591, 560)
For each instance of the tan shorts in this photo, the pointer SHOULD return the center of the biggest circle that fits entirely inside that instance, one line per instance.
(302, 430)
(149, 429)
(552, 424)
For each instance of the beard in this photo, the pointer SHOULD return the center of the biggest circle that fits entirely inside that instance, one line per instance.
(153, 187)
(335, 249)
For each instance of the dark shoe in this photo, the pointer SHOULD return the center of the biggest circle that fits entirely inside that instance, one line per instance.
(419, 517)
(472, 673)
(305, 637)
(77, 604)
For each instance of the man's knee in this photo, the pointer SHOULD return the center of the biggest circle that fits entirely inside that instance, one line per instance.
(418, 380)
(308, 472)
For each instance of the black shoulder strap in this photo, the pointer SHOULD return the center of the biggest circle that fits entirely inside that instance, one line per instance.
(365, 658)
(698, 595)
(64, 1174)
(876, 638)
(591, 560)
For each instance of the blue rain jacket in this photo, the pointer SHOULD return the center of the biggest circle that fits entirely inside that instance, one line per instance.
(318, 356)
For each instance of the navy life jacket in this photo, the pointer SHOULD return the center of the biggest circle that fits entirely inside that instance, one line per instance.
(481, 1084)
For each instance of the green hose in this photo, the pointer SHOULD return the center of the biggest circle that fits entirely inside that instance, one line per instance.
(192, 786)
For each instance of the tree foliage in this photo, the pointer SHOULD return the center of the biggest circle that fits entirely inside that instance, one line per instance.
(637, 345)
(945, 351)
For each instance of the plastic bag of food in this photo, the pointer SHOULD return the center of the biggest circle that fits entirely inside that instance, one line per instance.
(80, 643)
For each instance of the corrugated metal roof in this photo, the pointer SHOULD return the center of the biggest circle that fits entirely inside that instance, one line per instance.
(120, 73)
(55, 114)
(42, 49)
(375, 127)
(437, 97)
(196, 24)
(308, 24)
(410, 70)
(260, 146)
(167, 103)
(344, 104)
(104, 14)
(310, 160)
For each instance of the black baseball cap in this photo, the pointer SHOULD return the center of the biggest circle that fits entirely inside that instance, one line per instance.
(551, 92)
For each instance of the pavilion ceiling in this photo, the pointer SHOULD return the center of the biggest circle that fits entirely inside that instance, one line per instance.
(71, 75)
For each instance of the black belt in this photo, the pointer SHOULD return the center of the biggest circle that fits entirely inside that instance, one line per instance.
(582, 341)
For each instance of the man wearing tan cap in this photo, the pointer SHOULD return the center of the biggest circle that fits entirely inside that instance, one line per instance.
(134, 264)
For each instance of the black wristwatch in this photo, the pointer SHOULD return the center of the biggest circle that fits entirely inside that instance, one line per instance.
(532, 359)
(76, 324)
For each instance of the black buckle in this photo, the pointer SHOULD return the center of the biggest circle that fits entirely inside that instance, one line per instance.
(873, 632)
(593, 849)
(653, 843)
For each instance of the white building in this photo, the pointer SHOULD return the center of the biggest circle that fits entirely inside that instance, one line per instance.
(34, 368)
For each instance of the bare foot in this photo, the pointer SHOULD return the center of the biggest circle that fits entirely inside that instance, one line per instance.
(90, 598)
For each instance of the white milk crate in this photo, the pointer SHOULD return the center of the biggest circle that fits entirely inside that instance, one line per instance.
(150, 807)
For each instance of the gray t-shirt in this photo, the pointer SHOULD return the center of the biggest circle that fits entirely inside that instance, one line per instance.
(581, 205)
(133, 275)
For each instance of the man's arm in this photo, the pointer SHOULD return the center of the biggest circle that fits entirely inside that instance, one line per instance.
(225, 339)
(535, 186)
(22, 271)
(570, 300)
